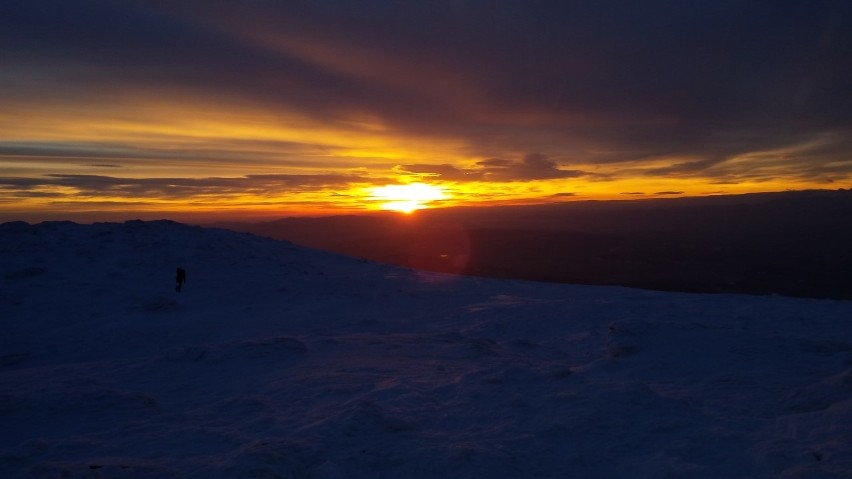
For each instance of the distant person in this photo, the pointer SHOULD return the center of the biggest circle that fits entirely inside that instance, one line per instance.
(180, 278)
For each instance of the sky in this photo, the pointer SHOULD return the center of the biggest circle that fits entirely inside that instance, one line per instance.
(276, 108)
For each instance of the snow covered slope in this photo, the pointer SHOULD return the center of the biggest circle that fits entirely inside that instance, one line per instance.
(282, 362)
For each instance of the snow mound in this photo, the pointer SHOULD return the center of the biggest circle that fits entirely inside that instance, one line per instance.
(280, 361)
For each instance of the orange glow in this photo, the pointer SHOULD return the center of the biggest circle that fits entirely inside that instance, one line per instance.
(407, 198)
(170, 154)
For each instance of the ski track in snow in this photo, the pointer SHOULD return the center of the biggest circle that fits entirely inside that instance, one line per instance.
(279, 361)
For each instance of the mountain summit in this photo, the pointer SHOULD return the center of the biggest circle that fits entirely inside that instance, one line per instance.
(280, 361)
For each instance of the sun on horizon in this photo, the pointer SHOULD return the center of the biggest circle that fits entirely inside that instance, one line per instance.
(407, 198)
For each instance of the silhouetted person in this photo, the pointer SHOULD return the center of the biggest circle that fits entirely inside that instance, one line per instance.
(180, 278)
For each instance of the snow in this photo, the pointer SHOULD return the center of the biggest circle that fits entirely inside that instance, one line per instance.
(280, 361)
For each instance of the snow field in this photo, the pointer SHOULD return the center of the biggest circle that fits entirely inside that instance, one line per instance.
(278, 361)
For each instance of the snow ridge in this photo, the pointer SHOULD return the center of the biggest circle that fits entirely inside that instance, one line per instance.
(280, 361)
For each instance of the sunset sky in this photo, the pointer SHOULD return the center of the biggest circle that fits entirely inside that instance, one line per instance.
(275, 108)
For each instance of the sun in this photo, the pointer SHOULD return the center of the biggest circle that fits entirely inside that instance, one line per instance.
(407, 198)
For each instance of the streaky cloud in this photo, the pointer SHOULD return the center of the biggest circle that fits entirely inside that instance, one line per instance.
(187, 188)
(531, 167)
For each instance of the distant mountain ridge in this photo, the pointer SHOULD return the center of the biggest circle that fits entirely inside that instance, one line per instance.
(790, 243)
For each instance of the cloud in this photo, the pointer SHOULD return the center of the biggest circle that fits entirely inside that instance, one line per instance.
(671, 193)
(621, 69)
(722, 92)
(531, 167)
(184, 147)
(685, 168)
(96, 186)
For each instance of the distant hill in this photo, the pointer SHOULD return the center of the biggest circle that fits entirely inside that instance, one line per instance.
(790, 243)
